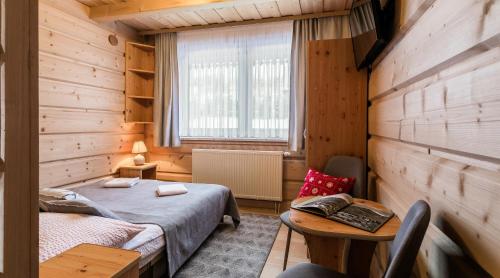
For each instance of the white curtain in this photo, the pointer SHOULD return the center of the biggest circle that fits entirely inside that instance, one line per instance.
(303, 31)
(166, 104)
(235, 82)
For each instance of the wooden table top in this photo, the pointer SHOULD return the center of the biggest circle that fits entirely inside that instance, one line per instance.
(89, 260)
(317, 225)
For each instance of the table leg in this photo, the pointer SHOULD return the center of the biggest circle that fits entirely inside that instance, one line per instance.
(360, 258)
(326, 251)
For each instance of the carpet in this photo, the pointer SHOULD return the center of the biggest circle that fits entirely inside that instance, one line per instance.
(230, 252)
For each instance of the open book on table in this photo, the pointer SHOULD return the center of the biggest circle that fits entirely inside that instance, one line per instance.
(340, 208)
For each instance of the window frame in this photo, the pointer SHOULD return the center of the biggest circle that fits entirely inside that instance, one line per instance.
(244, 110)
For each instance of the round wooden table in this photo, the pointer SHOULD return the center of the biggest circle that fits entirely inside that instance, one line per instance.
(341, 247)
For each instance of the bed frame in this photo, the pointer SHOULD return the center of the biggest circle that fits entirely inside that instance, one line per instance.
(156, 268)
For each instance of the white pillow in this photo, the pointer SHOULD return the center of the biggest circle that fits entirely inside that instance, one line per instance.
(59, 232)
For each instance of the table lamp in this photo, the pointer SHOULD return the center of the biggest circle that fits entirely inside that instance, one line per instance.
(139, 148)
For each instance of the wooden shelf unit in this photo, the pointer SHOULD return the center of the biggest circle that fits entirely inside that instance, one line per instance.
(139, 76)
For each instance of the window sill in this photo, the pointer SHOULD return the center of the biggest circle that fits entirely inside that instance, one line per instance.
(187, 144)
(221, 141)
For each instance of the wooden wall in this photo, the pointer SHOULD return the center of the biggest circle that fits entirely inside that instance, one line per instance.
(336, 103)
(435, 126)
(81, 85)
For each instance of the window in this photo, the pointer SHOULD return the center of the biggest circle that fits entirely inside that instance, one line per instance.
(234, 83)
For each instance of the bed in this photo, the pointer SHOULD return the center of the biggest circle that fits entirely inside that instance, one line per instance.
(150, 242)
(183, 221)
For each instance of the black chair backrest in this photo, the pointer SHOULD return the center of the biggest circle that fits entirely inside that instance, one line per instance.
(405, 246)
(348, 166)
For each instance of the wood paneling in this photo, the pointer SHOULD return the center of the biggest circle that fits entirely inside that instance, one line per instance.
(173, 163)
(270, 19)
(19, 177)
(56, 43)
(167, 176)
(81, 11)
(63, 69)
(294, 170)
(407, 13)
(58, 120)
(411, 59)
(83, 134)
(65, 146)
(70, 25)
(336, 103)
(460, 195)
(457, 109)
(156, 15)
(435, 120)
(69, 171)
(70, 95)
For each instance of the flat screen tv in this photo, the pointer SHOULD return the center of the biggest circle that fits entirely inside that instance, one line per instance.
(371, 23)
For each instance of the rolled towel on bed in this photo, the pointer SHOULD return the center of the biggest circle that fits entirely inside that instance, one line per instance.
(171, 189)
(121, 182)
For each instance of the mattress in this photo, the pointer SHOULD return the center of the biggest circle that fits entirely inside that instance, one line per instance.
(149, 242)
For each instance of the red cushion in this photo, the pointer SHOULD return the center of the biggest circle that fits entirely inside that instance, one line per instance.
(321, 184)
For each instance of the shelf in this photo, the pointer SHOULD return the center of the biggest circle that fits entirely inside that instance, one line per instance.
(139, 83)
(145, 47)
(141, 71)
(141, 97)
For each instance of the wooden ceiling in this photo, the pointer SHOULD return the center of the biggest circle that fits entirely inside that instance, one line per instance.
(145, 15)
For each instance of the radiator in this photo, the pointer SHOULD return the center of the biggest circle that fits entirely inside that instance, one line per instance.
(249, 174)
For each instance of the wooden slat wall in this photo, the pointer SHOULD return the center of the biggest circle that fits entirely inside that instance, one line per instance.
(174, 164)
(82, 130)
(435, 126)
(336, 103)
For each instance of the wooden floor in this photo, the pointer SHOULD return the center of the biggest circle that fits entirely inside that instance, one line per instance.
(274, 263)
(298, 253)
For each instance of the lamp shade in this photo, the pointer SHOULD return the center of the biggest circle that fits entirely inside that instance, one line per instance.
(139, 147)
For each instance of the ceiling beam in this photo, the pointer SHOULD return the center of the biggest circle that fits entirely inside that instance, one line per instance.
(133, 8)
(247, 22)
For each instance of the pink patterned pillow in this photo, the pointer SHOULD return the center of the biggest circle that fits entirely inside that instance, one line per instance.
(321, 184)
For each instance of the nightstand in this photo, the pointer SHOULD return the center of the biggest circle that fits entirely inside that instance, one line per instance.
(89, 260)
(146, 171)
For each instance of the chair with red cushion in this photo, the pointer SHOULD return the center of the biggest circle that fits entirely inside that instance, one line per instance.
(340, 166)
(348, 166)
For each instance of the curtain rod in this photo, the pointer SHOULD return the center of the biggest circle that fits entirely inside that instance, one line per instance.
(246, 22)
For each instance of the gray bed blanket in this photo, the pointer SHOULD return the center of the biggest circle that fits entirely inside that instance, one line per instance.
(186, 219)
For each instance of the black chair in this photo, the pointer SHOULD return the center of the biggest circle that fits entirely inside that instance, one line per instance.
(343, 166)
(402, 254)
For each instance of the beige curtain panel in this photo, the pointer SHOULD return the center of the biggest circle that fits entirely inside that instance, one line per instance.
(166, 90)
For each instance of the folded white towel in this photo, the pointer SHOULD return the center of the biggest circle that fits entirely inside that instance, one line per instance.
(171, 189)
(121, 182)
